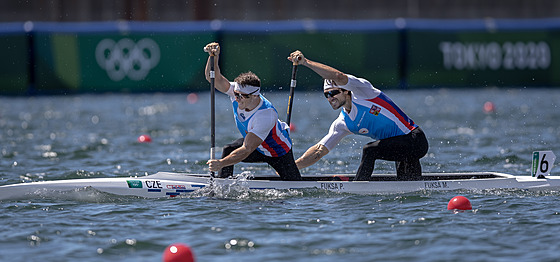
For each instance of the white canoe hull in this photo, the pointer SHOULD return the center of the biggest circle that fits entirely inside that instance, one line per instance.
(167, 184)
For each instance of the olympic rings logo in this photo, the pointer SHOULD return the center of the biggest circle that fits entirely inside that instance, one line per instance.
(127, 59)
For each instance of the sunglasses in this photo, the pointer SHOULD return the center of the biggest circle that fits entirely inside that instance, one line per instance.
(239, 95)
(331, 93)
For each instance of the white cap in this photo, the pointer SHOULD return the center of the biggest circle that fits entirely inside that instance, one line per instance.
(329, 83)
(246, 89)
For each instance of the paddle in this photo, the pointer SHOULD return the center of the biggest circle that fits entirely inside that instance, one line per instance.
(212, 109)
(292, 88)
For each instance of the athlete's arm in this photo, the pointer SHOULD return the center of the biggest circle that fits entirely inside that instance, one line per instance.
(337, 131)
(311, 156)
(220, 83)
(325, 71)
(250, 143)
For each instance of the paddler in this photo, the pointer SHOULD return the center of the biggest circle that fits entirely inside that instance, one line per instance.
(369, 112)
(265, 137)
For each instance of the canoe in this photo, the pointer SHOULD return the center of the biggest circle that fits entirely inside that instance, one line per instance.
(170, 184)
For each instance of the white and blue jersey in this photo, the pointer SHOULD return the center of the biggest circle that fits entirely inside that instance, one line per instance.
(373, 114)
(263, 122)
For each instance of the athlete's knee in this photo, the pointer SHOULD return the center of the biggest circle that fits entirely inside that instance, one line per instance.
(228, 148)
(369, 150)
(226, 151)
(422, 150)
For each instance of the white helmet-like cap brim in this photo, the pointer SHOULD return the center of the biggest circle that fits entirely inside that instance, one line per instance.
(246, 89)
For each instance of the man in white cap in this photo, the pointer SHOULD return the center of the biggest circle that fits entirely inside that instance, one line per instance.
(369, 112)
(265, 137)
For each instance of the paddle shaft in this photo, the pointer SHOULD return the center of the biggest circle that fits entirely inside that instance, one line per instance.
(212, 111)
(292, 88)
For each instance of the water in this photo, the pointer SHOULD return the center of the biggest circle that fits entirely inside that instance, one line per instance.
(63, 137)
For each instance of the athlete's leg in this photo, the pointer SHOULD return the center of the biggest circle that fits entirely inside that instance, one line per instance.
(418, 146)
(407, 149)
(285, 166)
(410, 168)
(254, 157)
(228, 170)
(391, 149)
(370, 153)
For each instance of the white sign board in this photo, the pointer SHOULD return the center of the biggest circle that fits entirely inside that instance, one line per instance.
(542, 163)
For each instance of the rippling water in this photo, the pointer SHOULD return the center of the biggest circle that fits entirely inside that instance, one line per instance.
(63, 137)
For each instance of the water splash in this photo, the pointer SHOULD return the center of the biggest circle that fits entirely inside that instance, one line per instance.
(237, 188)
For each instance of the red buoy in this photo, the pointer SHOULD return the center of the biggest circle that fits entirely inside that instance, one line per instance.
(459, 203)
(489, 107)
(293, 127)
(192, 98)
(178, 252)
(144, 139)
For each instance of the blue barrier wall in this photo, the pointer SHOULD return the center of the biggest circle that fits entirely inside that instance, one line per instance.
(167, 56)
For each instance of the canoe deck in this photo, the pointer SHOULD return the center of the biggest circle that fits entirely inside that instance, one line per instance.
(385, 177)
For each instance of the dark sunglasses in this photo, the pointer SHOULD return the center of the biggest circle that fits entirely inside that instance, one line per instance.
(239, 95)
(331, 93)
